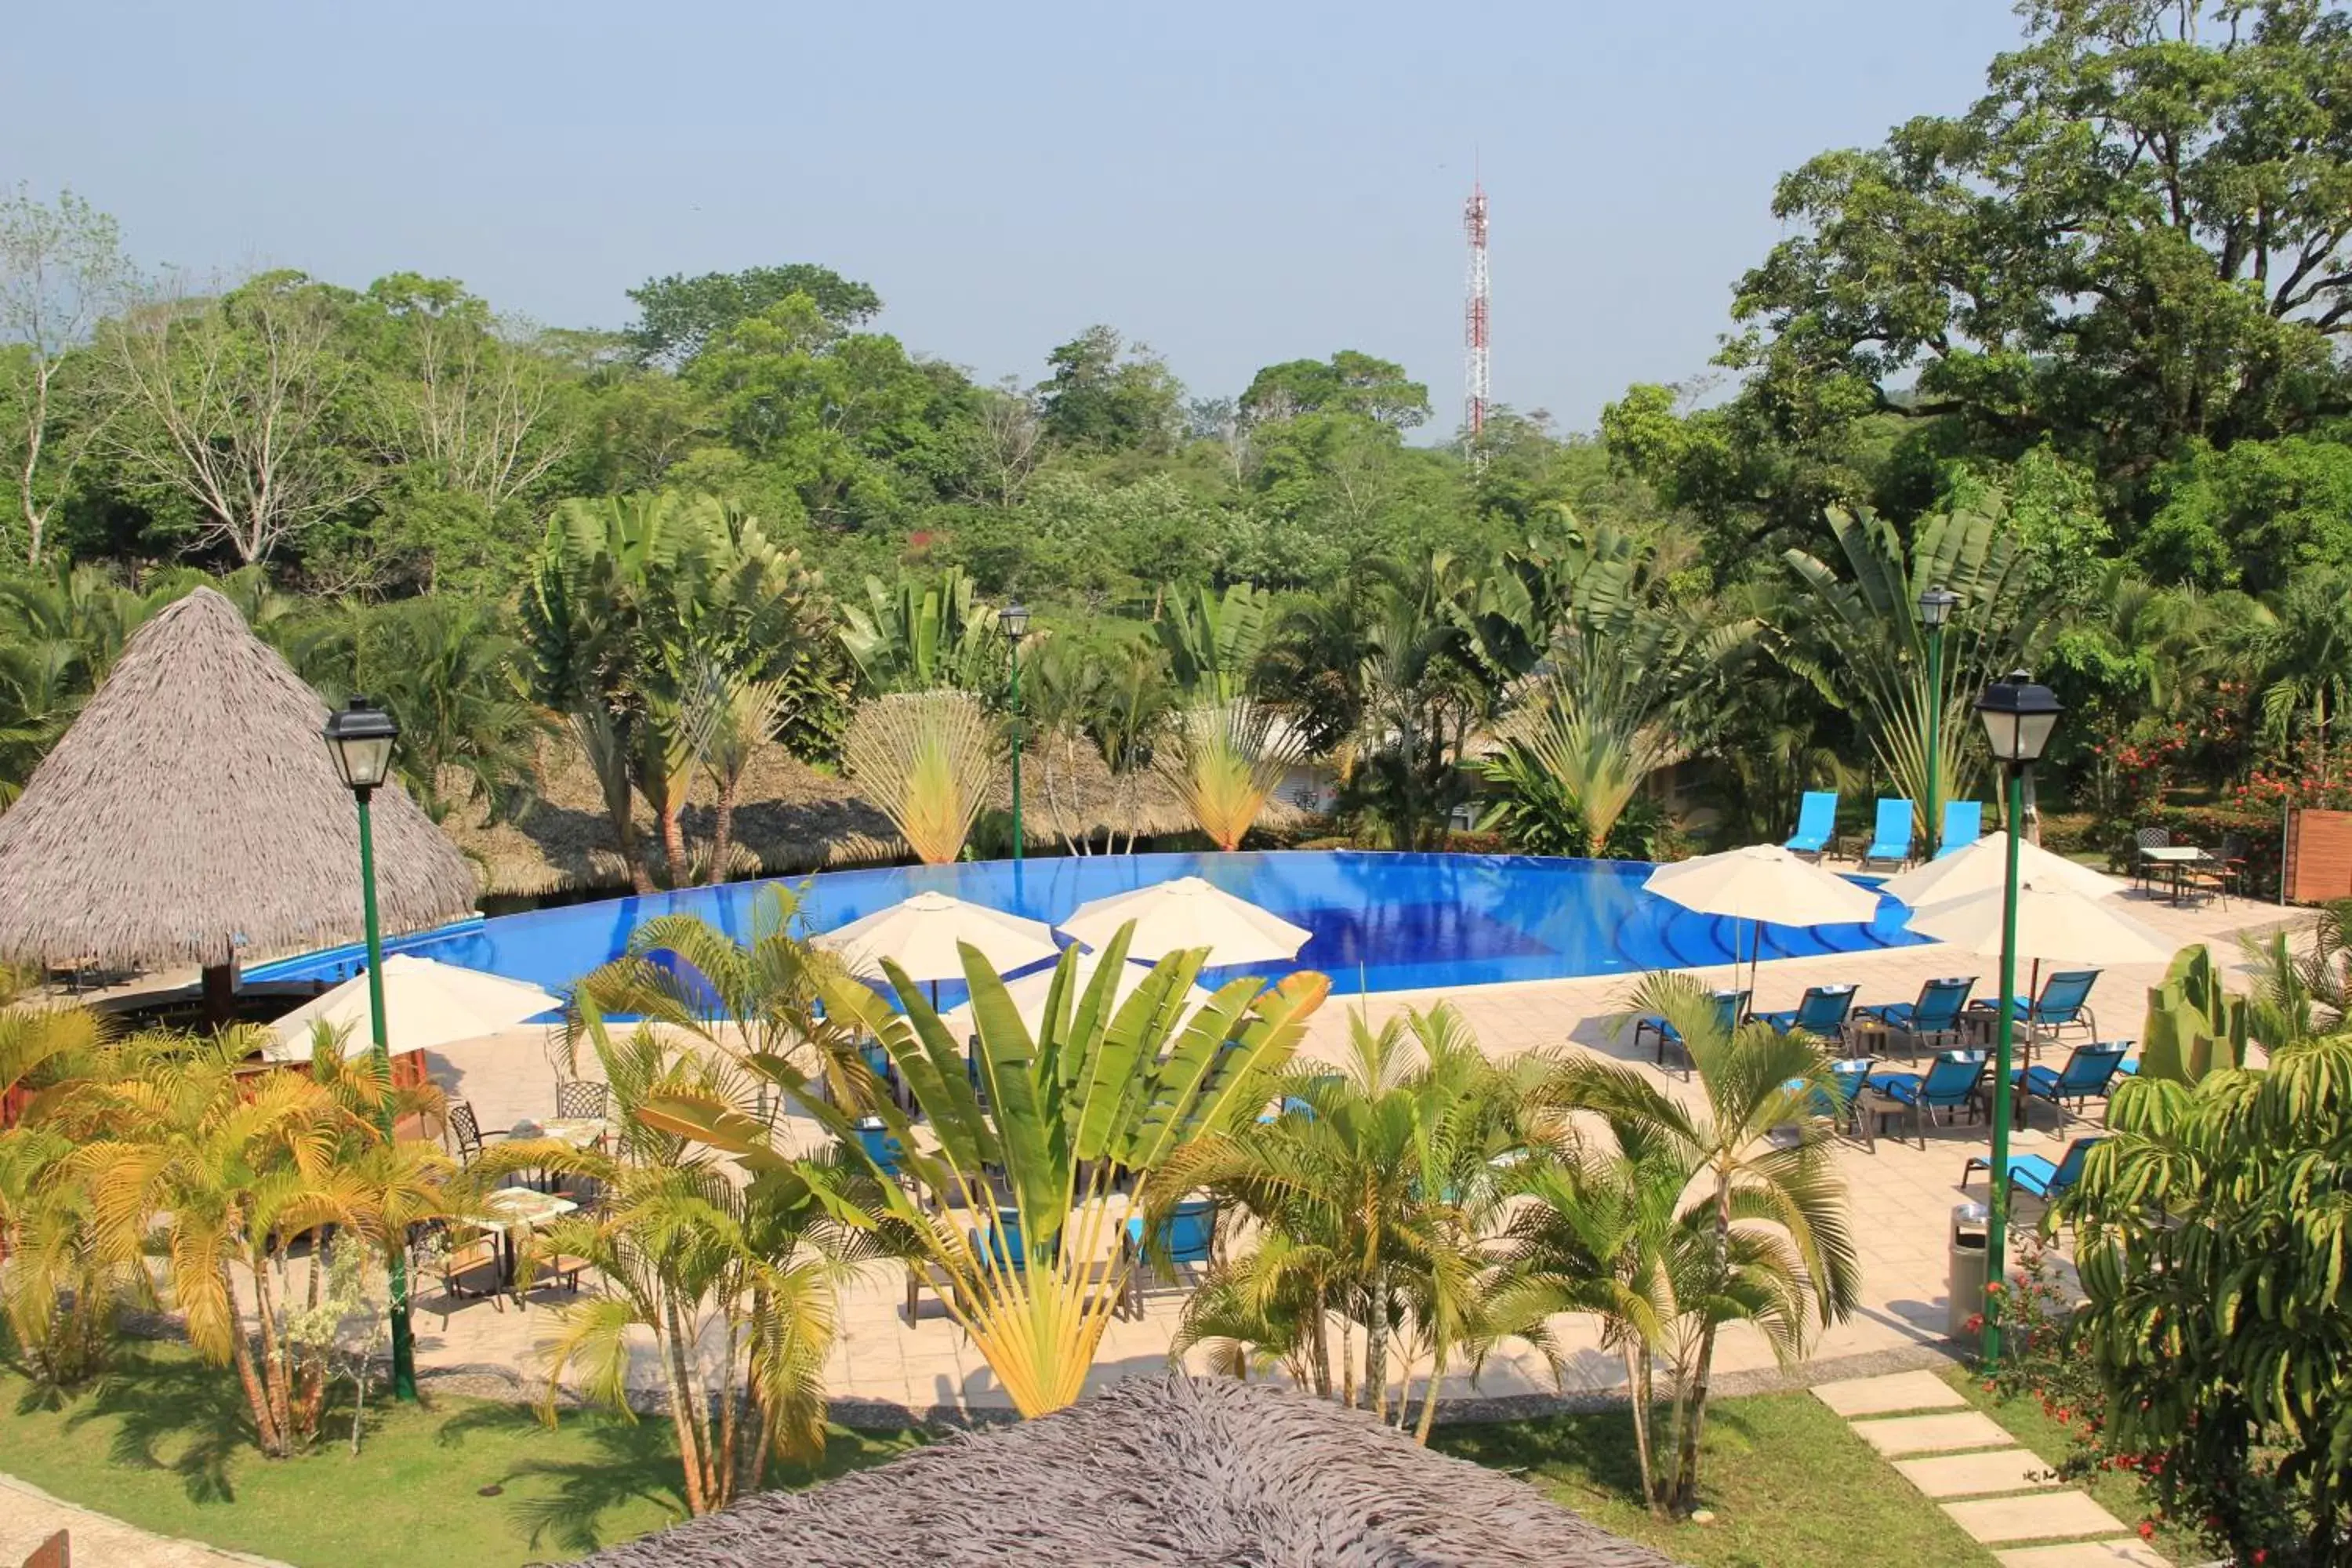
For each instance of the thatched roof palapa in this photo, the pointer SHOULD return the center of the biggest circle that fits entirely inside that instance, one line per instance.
(192, 816)
(1154, 1472)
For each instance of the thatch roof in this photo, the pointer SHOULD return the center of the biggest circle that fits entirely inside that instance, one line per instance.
(792, 818)
(191, 816)
(1156, 1471)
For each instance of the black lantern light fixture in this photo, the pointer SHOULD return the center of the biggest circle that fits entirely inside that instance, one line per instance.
(2018, 715)
(359, 738)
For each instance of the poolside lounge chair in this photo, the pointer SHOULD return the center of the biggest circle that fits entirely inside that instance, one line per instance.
(880, 1147)
(1848, 1078)
(1729, 1007)
(1963, 826)
(1821, 1011)
(2063, 1004)
(2033, 1175)
(1000, 1245)
(1952, 1082)
(1816, 824)
(2089, 1074)
(1187, 1238)
(1936, 1012)
(1890, 836)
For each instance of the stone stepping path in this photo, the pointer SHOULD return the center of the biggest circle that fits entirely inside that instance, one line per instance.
(2000, 1493)
(1978, 1474)
(2125, 1554)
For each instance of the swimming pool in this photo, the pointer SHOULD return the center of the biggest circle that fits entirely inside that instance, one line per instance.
(1381, 922)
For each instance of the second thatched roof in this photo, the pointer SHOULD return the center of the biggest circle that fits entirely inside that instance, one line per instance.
(1153, 1473)
(793, 818)
(191, 816)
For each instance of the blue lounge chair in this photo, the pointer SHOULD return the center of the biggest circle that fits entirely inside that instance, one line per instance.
(880, 1147)
(1729, 1007)
(2034, 1175)
(2063, 1004)
(1935, 1013)
(1963, 826)
(1816, 824)
(1890, 837)
(1000, 1243)
(2089, 1073)
(1952, 1082)
(1821, 1011)
(1187, 1238)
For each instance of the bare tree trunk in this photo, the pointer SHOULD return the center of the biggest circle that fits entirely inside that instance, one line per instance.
(1637, 1390)
(722, 829)
(682, 1412)
(268, 1434)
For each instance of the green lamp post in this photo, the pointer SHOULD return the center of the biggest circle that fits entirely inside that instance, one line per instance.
(2019, 717)
(1936, 605)
(359, 739)
(1014, 620)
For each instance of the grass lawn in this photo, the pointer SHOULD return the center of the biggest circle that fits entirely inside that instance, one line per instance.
(163, 1445)
(1790, 1483)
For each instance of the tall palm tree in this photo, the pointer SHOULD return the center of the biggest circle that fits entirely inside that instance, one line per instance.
(1859, 640)
(1097, 1090)
(1773, 1217)
(60, 1291)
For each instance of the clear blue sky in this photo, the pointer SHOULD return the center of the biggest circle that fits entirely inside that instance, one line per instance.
(1235, 184)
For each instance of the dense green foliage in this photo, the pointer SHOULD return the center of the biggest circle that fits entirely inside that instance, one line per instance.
(2074, 352)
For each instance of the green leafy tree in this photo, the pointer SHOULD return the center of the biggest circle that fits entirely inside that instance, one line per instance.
(1347, 383)
(2132, 240)
(677, 316)
(1105, 394)
(62, 271)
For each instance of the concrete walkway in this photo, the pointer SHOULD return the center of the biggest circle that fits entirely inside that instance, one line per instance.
(29, 1516)
(2003, 1495)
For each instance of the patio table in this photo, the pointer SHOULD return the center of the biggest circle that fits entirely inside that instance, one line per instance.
(515, 1212)
(2176, 860)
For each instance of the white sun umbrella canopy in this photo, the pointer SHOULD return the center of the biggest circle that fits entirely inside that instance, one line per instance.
(1031, 991)
(2055, 924)
(922, 934)
(1760, 882)
(1188, 912)
(426, 1003)
(1985, 864)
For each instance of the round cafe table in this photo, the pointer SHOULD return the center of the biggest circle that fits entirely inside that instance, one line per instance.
(514, 1212)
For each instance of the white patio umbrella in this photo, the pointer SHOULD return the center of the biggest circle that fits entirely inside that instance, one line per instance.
(1030, 992)
(1759, 882)
(922, 933)
(1188, 912)
(426, 1003)
(1985, 864)
(2053, 921)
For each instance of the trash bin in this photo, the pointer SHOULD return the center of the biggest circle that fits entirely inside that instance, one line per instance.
(1965, 1288)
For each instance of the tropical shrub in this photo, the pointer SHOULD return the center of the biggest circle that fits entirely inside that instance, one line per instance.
(1372, 1202)
(1225, 760)
(2210, 1229)
(1098, 1090)
(927, 760)
(734, 1282)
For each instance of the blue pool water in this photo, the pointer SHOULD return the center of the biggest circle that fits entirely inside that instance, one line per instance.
(1381, 922)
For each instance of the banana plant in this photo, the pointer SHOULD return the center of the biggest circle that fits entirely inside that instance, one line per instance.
(1102, 1092)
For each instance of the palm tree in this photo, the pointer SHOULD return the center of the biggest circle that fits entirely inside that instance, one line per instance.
(1861, 644)
(1374, 1199)
(1605, 1231)
(735, 1281)
(60, 1291)
(927, 760)
(1424, 688)
(2294, 653)
(1213, 641)
(1773, 1216)
(762, 996)
(171, 1136)
(1225, 760)
(921, 633)
(1096, 1092)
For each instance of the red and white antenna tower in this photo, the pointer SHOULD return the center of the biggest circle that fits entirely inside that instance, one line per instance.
(1474, 318)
